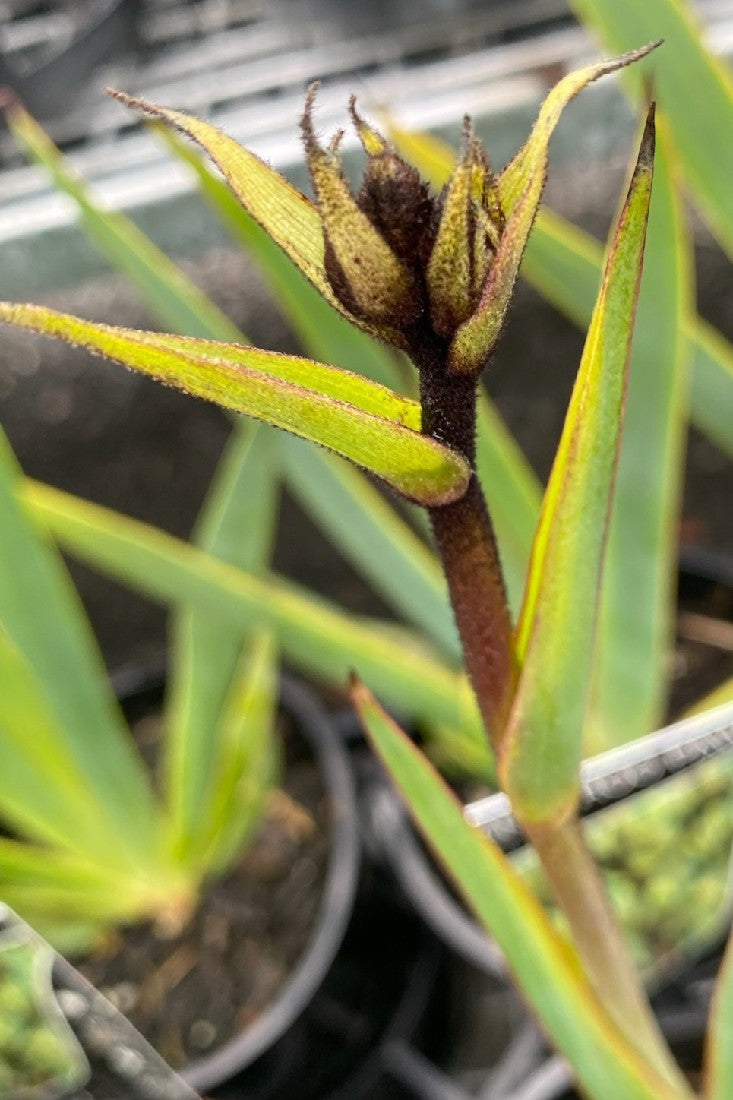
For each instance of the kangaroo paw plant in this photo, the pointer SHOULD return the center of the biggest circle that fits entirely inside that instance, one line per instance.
(433, 275)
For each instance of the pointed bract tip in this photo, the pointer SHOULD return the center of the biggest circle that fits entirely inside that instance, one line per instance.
(135, 103)
(306, 120)
(356, 688)
(122, 97)
(648, 140)
(335, 143)
(642, 51)
(10, 101)
(373, 143)
(613, 64)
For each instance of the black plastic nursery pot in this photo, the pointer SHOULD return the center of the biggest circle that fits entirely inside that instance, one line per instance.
(366, 1002)
(267, 1037)
(273, 1027)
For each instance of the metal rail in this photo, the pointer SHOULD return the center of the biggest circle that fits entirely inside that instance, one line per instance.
(618, 773)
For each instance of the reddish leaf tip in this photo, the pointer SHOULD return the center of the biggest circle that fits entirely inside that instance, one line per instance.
(135, 103)
(10, 101)
(645, 162)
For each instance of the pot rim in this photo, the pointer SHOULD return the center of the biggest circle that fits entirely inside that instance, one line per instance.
(336, 902)
(339, 889)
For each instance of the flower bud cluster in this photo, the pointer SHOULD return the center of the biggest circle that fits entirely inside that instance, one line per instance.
(396, 257)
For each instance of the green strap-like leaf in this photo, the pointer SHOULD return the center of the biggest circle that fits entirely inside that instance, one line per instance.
(555, 634)
(45, 793)
(693, 87)
(719, 1048)
(542, 965)
(246, 758)
(711, 394)
(350, 415)
(237, 524)
(564, 264)
(634, 638)
(312, 634)
(43, 618)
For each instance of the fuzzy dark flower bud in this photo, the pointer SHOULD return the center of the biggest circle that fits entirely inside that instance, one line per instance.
(395, 257)
(418, 271)
(366, 271)
(393, 197)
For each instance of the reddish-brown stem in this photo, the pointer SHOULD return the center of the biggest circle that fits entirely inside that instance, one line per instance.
(467, 546)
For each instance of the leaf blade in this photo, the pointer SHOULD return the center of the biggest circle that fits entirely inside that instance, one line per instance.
(246, 762)
(236, 524)
(38, 606)
(276, 388)
(718, 1047)
(638, 593)
(542, 747)
(541, 963)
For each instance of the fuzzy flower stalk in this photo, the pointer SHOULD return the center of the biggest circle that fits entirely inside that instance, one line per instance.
(422, 271)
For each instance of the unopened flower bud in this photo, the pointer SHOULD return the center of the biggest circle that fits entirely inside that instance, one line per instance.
(469, 229)
(393, 196)
(365, 270)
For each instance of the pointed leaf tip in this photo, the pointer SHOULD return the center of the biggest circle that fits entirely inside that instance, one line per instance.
(645, 163)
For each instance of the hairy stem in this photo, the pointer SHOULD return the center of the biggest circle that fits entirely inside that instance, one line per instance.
(467, 546)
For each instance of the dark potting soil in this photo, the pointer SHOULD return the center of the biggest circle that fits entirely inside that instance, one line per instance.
(189, 993)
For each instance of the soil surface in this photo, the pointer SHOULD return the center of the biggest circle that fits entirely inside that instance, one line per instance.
(189, 993)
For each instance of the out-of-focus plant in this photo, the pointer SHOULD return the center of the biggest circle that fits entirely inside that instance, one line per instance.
(433, 278)
(91, 843)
